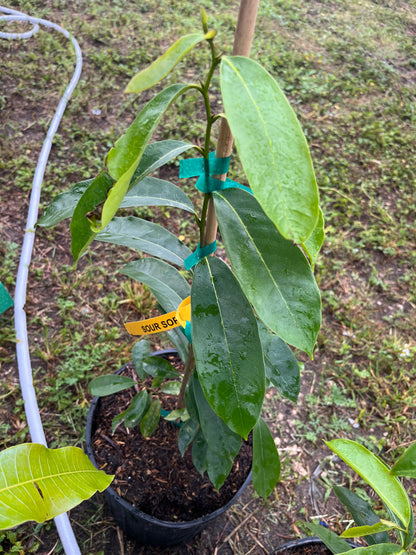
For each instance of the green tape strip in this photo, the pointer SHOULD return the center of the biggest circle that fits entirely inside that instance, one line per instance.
(5, 299)
(198, 254)
(192, 167)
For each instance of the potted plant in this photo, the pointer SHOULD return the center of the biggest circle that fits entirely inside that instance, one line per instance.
(384, 481)
(231, 322)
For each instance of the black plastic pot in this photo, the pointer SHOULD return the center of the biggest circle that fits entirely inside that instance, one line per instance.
(304, 545)
(145, 528)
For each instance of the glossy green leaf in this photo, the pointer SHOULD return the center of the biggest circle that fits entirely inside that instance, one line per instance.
(330, 539)
(159, 367)
(124, 157)
(282, 368)
(176, 414)
(378, 549)
(133, 414)
(361, 512)
(37, 483)
(163, 65)
(376, 474)
(164, 281)
(227, 347)
(272, 271)
(271, 145)
(266, 461)
(171, 388)
(141, 350)
(406, 464)
(80, 226)
(157, 192)
(156, 155)
(358, 531)
(199, 452)
(151, 419)
(180, 341)
(109, 384)
(146, 237)
(222, 444)
(186, 435)
(313, 244)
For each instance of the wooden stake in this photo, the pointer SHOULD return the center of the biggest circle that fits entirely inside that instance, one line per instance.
(243, 38)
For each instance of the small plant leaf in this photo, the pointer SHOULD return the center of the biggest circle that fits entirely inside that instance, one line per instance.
(406, 464)
(145, 236)
(313, 244)
(141, 350)
(271, 146)
(164, 281)
(357, 531)
(377, 475)
(278, 280)
(227, 347)
(180, 341)
(186, 435)
(157, 192)
(37, 483)
(199, 452)
(151, 419)
(171, 388)
(156, 155)
(361, 512)
(159, 367)
(333, 542)
(266, 461)
(282, 368)
(138, 406)
(378, 549)
(109, 384)
(161, 67)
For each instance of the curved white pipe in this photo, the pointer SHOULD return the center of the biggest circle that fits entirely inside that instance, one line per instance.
(22, 346)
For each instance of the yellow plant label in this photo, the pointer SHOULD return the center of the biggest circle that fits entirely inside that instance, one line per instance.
(165, 322)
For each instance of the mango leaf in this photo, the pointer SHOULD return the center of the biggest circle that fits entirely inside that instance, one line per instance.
(145, 236)
(186, 435)
(361, 512)
(271, 146)
(282, 368)
(330, 539)
(171, 388)
(141, 350)
(133, 414)
(313, 244)
(357, 531)
(124, 157)
(159, 367)
(222, 444)
(266, 461)
(378, 549)
(272, 271)
(37, 483)
(227, 347)
(157, 192)
(164, 281)
(377, 475)
(156, 155)
(406, 464)
(109, 384)
(163, 65)
(151, 419)
(80, 226)
(180, 341)
(199, 452)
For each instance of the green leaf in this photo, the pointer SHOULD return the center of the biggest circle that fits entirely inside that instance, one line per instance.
(271, 145)
(145, 236)
(141, 350)
(124, 157)
(109, 384)
(156, 155)
(376, 474)
(182, 414)
(282, 368)
(378, 549)
(227, 347)
(266, 461)
(180, 341)
(171, 388)
(361, 512)
(37, 483)
(163, 65)
(313, 244)
(357, 531)
(138, 406)
(159, 367)
(151, 419)
(165, 282)
(406, 464)
(186, 435)
(222, 444)
(272, 271)
(157, 192)
(199, 452)
(80, 226)
(330, 539)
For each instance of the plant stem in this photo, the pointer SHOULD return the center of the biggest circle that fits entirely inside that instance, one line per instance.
(187, 373)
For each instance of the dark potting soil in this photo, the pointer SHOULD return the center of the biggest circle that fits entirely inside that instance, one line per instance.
(311, 549)
(150, 473)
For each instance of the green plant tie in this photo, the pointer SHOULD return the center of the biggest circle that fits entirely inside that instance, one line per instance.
(199, 253)
(5, 299)
(205, 168)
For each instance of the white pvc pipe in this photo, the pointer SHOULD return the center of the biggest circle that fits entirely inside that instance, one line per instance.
(22, 346)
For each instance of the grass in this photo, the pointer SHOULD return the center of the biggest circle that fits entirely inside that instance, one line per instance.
(349, 70)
